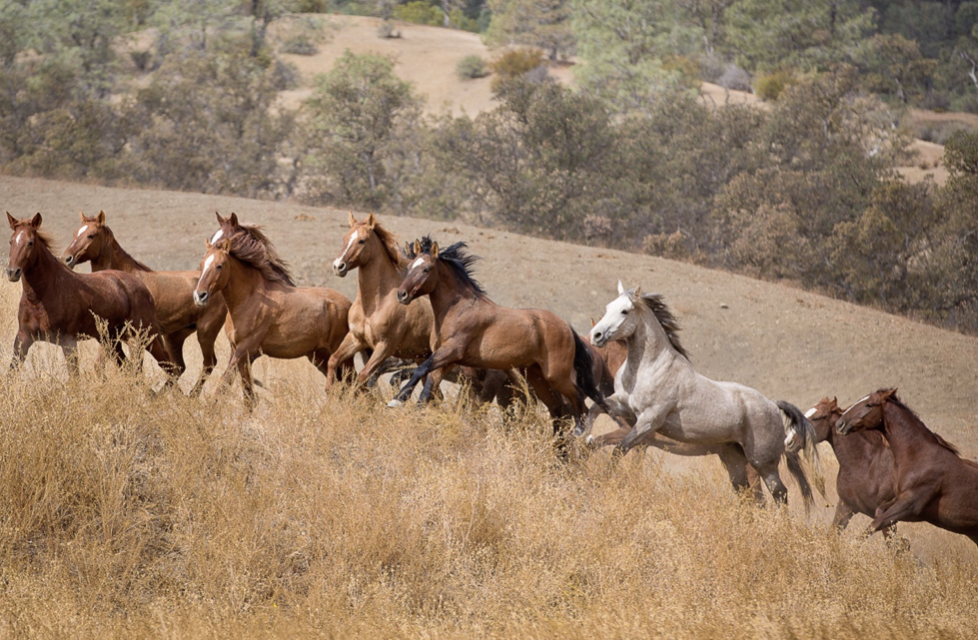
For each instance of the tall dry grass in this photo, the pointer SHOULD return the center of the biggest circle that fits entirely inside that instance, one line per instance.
(125, 513)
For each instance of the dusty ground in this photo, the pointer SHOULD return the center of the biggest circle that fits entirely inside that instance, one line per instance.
(787, 343)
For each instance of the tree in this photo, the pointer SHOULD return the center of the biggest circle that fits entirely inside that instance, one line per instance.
(356, 119)
(894, 65)
(537, 23)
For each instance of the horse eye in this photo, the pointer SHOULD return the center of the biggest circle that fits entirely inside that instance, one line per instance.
(91, 236)
(624, 312)
(362, 242)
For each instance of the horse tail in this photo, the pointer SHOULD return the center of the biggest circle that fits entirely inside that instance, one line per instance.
(584, 368)
(802, 437)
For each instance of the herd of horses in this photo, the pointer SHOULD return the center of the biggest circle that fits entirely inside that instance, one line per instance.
(421, 305)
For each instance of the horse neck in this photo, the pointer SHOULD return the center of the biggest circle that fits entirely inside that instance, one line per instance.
(377, 277)
(854, 447)
(113, 256)
(43, 275)
(648, 342)
(905, 432)
(450, 292)
(244, 282)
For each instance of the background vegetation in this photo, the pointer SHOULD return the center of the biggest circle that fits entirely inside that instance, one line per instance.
(183, 95)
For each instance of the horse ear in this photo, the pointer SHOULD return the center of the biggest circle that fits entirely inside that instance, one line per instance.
(233, 219)
(434, 249)
(621, 288)
(638, 292)
(81, 216)
(593, 323)
(886, 393)
(36, 222)
(220, 220)
(100, 219)
(353, 220)
(12, 221)
(371, 221)
(225, 244)
(417, 248)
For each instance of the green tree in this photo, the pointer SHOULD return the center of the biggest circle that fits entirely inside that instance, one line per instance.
(538, 23)
(894, 65)
(356, 123)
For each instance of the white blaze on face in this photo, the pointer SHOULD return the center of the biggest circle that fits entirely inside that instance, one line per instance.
(217, 236)
(207, 265)
(349, 245)
(79, 233)
(810, 413)
(19, 238)
(417, 263)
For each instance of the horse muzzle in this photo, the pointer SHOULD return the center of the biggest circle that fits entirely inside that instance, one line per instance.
(200, 298)
(341, 269)
(599, 339)
(843, 427)
(70, 261)
(13, 274)
(403, 296)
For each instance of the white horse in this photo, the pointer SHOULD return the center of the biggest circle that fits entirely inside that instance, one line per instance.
(659, 391)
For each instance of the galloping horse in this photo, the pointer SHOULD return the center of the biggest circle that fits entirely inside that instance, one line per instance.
(931, 481)
(474, 331)
(659, 389)
(378, 323)
(60, 306)
(865, 479)
(269, 314)
(173, 293)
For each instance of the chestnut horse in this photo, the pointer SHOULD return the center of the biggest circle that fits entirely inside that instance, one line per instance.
(173, 293)
(865, 479)
(60, 306)
(378, 323)
(269, 314)
(932, 483)
(474, 331)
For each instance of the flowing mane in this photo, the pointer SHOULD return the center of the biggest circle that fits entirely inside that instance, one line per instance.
(913, 416)
(456, 258)
(389, 242)
(654, 303)
(254, 248)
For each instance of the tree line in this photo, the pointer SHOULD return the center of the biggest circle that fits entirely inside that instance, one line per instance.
(804, 191)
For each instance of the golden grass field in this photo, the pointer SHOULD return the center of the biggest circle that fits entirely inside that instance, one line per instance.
(129, 514)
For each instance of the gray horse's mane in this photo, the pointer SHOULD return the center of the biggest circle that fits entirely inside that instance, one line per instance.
(654, 303)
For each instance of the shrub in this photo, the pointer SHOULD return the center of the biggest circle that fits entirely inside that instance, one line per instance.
(516, 62)
(470, 67)
(734, 78)
(686, 68)
(770, 86)
(420, 12)
(140, 59)
(299, 46)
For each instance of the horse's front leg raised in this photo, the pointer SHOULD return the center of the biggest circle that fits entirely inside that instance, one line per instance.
(616, 409)
(648, 421)
(439, 359)
(908, 505)
(350, 347)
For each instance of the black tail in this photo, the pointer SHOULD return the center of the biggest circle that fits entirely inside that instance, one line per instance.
(584, 368)
(807, 436)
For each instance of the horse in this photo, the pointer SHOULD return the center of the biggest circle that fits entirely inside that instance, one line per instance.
(932, 483)
(474, 331)
(61, 307)
(270, 315)
(172, 293)
(660, 391)
(378, 322)
(865, 478)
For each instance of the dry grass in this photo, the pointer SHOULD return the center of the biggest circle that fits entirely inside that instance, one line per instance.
(125, 513)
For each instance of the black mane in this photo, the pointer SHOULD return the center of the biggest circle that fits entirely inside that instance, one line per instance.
(670, 325)
(456, 257)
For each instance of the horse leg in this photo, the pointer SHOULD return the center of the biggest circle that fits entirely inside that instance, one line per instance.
(344, 353)
(843, 514)
(646, 424)
(247, 386)
(173, 342)
(769, 473)
(431, 386)
(743, 477)
(908, 505)
(443, 357)
(549, 396)
(22, 344)
(161, 354)
(69, 347)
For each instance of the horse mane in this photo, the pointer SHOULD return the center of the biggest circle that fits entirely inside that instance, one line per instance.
(254, 248)
(389, 241)
(940, 441)
(457, 258)
(654, 303)
(139, 265)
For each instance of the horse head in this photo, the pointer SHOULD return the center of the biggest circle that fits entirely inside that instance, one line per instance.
(422, 273)
(23, 252)
(213, 276)
(823, 417)
(88, 242)
(619, 319)
(356, 246)
(865, 414)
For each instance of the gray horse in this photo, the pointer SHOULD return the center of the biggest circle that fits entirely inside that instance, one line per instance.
(658, 389)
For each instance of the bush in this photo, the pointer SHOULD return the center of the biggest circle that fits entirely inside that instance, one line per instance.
(770, 86)
(420, 12)
(734, 78)
(470, 67)
(516, 62)
(140, 59)
(299, 46)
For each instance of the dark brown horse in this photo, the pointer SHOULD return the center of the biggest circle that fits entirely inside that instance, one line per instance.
(173, 293)
(474, 331)
(61, 307)
(932, 483)
(269, 314)
(865, 479)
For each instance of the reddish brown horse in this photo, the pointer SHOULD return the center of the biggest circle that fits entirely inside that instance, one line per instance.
(865, 479)
(932, 483)
(269, 314)
(60, 306)
(474, 331)
(173, 293)
(378, 323)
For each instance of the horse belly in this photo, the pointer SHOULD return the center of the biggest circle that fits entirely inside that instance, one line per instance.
(173, 300)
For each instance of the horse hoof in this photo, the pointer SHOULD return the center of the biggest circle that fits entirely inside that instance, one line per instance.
(393, 404)
(589, 440)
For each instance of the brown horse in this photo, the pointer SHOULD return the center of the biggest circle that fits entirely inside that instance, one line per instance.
(865, 479)
(932, 483)
(474, 331)
(378, 323)
(269, 314)
(60, 306)
(173, 293)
